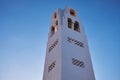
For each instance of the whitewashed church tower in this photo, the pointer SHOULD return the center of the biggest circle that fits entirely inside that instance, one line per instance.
(67, 53)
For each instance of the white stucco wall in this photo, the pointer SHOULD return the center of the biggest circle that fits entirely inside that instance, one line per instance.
(64, 51)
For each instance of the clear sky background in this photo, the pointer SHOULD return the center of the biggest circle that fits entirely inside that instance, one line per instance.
(24, 27)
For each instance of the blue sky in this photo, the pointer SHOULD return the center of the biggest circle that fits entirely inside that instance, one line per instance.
(24, 27)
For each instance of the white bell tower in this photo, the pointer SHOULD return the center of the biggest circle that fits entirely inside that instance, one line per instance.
(67, 53)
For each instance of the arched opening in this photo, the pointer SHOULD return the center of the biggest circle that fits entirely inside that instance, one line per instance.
(55, 15)
(69, 23)
(52, 30)
(76, 26)
(56, 25)
(72, 12)
(56, 22)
